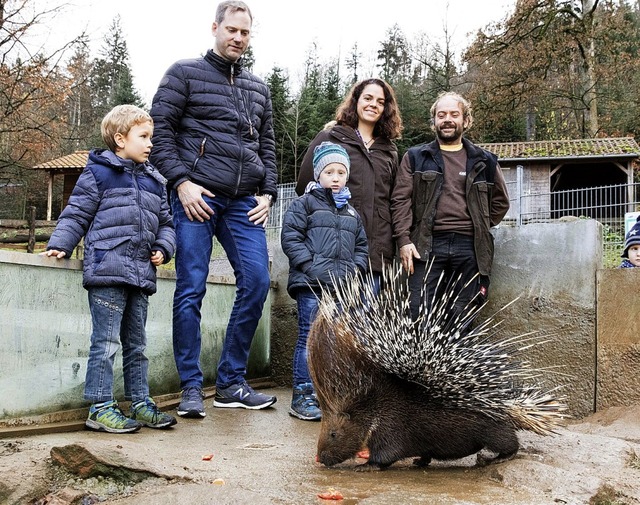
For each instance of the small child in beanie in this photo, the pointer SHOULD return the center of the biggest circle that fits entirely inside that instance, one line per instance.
(324, 239)
(631, 253)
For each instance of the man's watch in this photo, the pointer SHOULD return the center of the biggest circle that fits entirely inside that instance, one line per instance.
(269, 197)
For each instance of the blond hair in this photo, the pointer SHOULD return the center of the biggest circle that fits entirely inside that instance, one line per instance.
(121, 119)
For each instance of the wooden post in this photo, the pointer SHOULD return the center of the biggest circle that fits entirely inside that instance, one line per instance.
(49, 194)
(31, 245)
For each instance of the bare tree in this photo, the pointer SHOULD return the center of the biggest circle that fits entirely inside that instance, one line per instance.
(547, 60)
(32, 90)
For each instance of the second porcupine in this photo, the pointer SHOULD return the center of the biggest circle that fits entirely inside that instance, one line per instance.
(423, 389)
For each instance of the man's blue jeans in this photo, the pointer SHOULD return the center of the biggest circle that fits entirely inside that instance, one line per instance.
(307, 302)
(245, 244)
(118, 314)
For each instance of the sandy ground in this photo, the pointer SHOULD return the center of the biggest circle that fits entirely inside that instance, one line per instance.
(268, 457)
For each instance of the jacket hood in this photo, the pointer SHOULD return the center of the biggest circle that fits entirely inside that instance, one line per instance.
(109, 159)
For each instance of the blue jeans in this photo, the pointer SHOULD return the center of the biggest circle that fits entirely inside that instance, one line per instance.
(245, 244)
(307, 302)
(453, 255)
(118, 315)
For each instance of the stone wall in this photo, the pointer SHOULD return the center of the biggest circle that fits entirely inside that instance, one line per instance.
(618, 347)
(45, 326)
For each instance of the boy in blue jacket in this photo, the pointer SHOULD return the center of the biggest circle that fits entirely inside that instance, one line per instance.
(119, 205)
(324, 239)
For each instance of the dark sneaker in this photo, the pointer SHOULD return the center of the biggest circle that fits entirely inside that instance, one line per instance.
(304, 403)
(242, 396)
(192, 402)
(108, 417)
(147, 413)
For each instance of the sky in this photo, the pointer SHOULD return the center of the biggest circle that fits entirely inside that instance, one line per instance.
(159, 32)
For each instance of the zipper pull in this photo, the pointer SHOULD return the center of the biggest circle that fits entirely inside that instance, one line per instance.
(201, 152)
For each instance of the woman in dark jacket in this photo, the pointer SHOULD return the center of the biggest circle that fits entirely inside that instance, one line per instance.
(367, 123)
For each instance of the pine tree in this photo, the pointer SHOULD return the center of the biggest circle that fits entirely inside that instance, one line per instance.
(111, 77)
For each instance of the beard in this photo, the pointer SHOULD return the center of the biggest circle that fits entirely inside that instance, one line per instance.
(454, 135)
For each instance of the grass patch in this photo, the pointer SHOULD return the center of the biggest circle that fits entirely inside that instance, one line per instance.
(607, 495)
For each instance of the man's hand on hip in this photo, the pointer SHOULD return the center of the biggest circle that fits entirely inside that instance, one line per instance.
(195, 207)
(260, 213)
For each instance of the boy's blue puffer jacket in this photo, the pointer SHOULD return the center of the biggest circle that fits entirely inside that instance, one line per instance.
(121, 209)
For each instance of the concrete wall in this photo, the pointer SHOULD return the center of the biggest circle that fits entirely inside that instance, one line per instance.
(553, 270)
(45, 326)
(550, 268)
(618, 350)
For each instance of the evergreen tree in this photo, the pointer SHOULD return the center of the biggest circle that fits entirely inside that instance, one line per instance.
(111, 77)
(283, 125)
(353, 64)
(307, 115)
(394, 57)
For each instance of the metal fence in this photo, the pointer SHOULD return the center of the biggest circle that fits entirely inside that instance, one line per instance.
(607, 204)
(613, 206)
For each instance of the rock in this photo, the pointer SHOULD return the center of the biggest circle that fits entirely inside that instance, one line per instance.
(93, 462)
(66, 496)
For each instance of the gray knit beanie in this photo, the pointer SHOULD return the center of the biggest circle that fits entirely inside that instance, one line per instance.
(326, 153)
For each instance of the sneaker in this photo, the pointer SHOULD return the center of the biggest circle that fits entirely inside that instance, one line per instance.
(242, 395)
(108, 417)
(147, 413)
(304, 403)
(192, 402)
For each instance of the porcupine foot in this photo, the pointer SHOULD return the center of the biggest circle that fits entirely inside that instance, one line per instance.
(482, 460)
(422, 461)
(371, 467)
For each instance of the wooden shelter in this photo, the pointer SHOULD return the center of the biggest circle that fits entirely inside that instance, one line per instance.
(556, 165)
(560, 166)
(69, 167)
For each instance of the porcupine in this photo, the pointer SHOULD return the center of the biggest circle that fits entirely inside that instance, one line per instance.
(423, 388)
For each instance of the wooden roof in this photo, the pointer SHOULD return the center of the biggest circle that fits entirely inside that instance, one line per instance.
(623, 147)
(76, 160)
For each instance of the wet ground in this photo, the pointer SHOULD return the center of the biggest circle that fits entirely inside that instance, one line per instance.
(268, 457)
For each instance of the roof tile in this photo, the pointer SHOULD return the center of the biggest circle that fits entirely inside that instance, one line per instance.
(623, 146)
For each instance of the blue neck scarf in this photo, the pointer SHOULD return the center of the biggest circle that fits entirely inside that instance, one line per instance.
(341, 198)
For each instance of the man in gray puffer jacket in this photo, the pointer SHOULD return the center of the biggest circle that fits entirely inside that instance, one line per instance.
(215, 144)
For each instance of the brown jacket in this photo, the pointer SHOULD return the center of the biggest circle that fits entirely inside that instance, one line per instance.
(418, 188)
(371, 180)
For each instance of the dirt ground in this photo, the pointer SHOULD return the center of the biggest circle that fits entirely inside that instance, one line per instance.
(268, 457)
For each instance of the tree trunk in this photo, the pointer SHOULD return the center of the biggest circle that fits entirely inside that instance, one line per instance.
(589, 78)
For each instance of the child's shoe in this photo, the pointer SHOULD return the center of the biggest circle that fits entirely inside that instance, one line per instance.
(147, 413)
(304, 403)
(108, 416)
